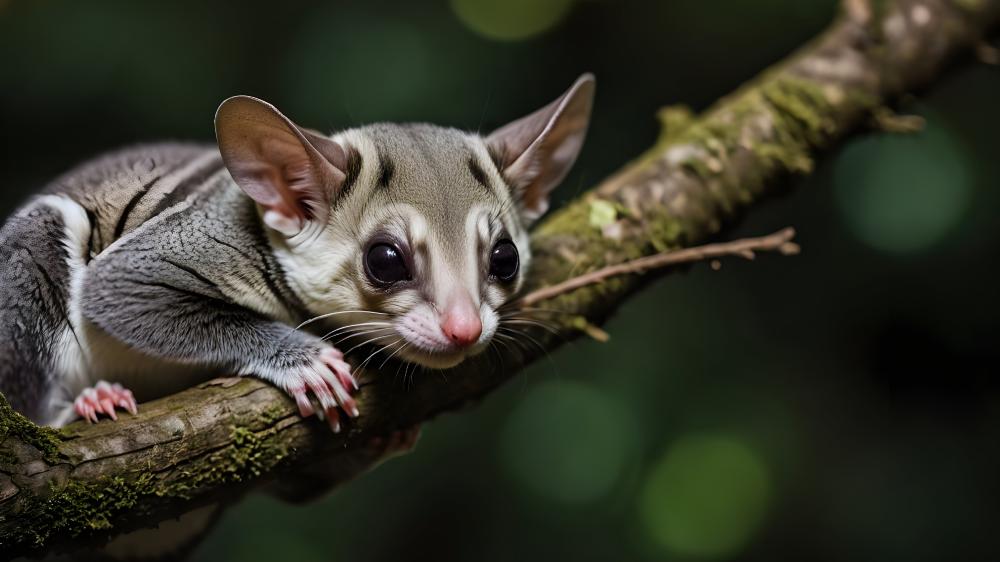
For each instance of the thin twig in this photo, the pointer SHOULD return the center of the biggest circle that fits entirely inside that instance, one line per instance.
(780, 241)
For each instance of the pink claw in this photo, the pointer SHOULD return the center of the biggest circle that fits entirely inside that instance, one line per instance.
(302, 400)
(329, 381)
(333, 359)
(104, 398)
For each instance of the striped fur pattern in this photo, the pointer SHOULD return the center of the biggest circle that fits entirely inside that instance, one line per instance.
(153, 268)
(437, 191)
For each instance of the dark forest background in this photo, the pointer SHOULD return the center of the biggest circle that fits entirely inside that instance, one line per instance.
(838, 405)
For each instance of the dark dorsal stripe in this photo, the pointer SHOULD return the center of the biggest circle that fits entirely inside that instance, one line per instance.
(187, 186)
(387, 169)
(478, 173)
(193, 273)
(351, 173)
(127, 210)
(263, 265)
(94, 243)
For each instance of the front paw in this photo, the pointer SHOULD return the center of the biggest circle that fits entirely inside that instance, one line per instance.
(103, 398)
(328, 378)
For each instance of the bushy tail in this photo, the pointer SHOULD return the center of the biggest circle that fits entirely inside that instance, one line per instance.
(34, 291)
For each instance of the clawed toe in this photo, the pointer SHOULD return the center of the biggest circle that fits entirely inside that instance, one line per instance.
(334, 359)
(329, 381)
(104, 398)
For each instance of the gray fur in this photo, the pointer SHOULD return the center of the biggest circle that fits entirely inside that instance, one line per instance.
(152, 267)
(166, 278)
(432, 172)
(187, 289)
(186, 275)
(34, 284)
(130, 186)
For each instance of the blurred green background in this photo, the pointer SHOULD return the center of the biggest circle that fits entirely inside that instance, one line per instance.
(839, 405)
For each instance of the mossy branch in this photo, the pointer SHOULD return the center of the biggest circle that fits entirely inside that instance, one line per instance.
(214, 442)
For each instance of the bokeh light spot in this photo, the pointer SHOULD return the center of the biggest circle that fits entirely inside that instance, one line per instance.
(568, 442)
(902, 194)
(510, 20)
(706, 497)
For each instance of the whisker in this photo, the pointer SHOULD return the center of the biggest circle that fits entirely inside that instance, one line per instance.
(534, 341)
(527, 322)
(329, 314)
(348, 337)
(349, 327)
(401, 348)
(506, 333)
(376, 352)
(505, 346)
(416, 367)
(530, 339)
(545, 352)
(405, 366)
(511, 339)
(402, 365)
(355, 328)
(360, 334)
(516, 310)
(368, 341)
(495, 350)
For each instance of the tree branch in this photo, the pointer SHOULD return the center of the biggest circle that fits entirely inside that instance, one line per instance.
(214, 442)
(780, 242)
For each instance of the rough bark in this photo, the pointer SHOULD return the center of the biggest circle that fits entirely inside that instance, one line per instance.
(214, 442)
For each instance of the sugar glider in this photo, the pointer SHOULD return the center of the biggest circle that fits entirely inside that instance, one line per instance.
(159, 266)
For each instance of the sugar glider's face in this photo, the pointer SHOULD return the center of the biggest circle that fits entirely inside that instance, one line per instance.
(426, 239)
(408, 238)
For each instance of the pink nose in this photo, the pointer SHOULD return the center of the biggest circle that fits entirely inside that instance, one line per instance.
(460, 322)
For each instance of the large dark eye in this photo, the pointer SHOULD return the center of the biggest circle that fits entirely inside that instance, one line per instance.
(385, 265)
(504, 261)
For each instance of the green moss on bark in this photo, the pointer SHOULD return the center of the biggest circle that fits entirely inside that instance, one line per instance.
(77, 509)
(674, 119)
(250, 455)
(14, 425)
(767, 129)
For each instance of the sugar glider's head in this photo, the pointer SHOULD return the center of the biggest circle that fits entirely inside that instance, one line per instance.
(408, 237)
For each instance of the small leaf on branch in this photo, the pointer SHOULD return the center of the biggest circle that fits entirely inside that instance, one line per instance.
(602, 213)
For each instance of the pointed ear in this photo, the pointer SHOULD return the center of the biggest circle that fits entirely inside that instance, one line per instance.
(536, 152)
(294, 174)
